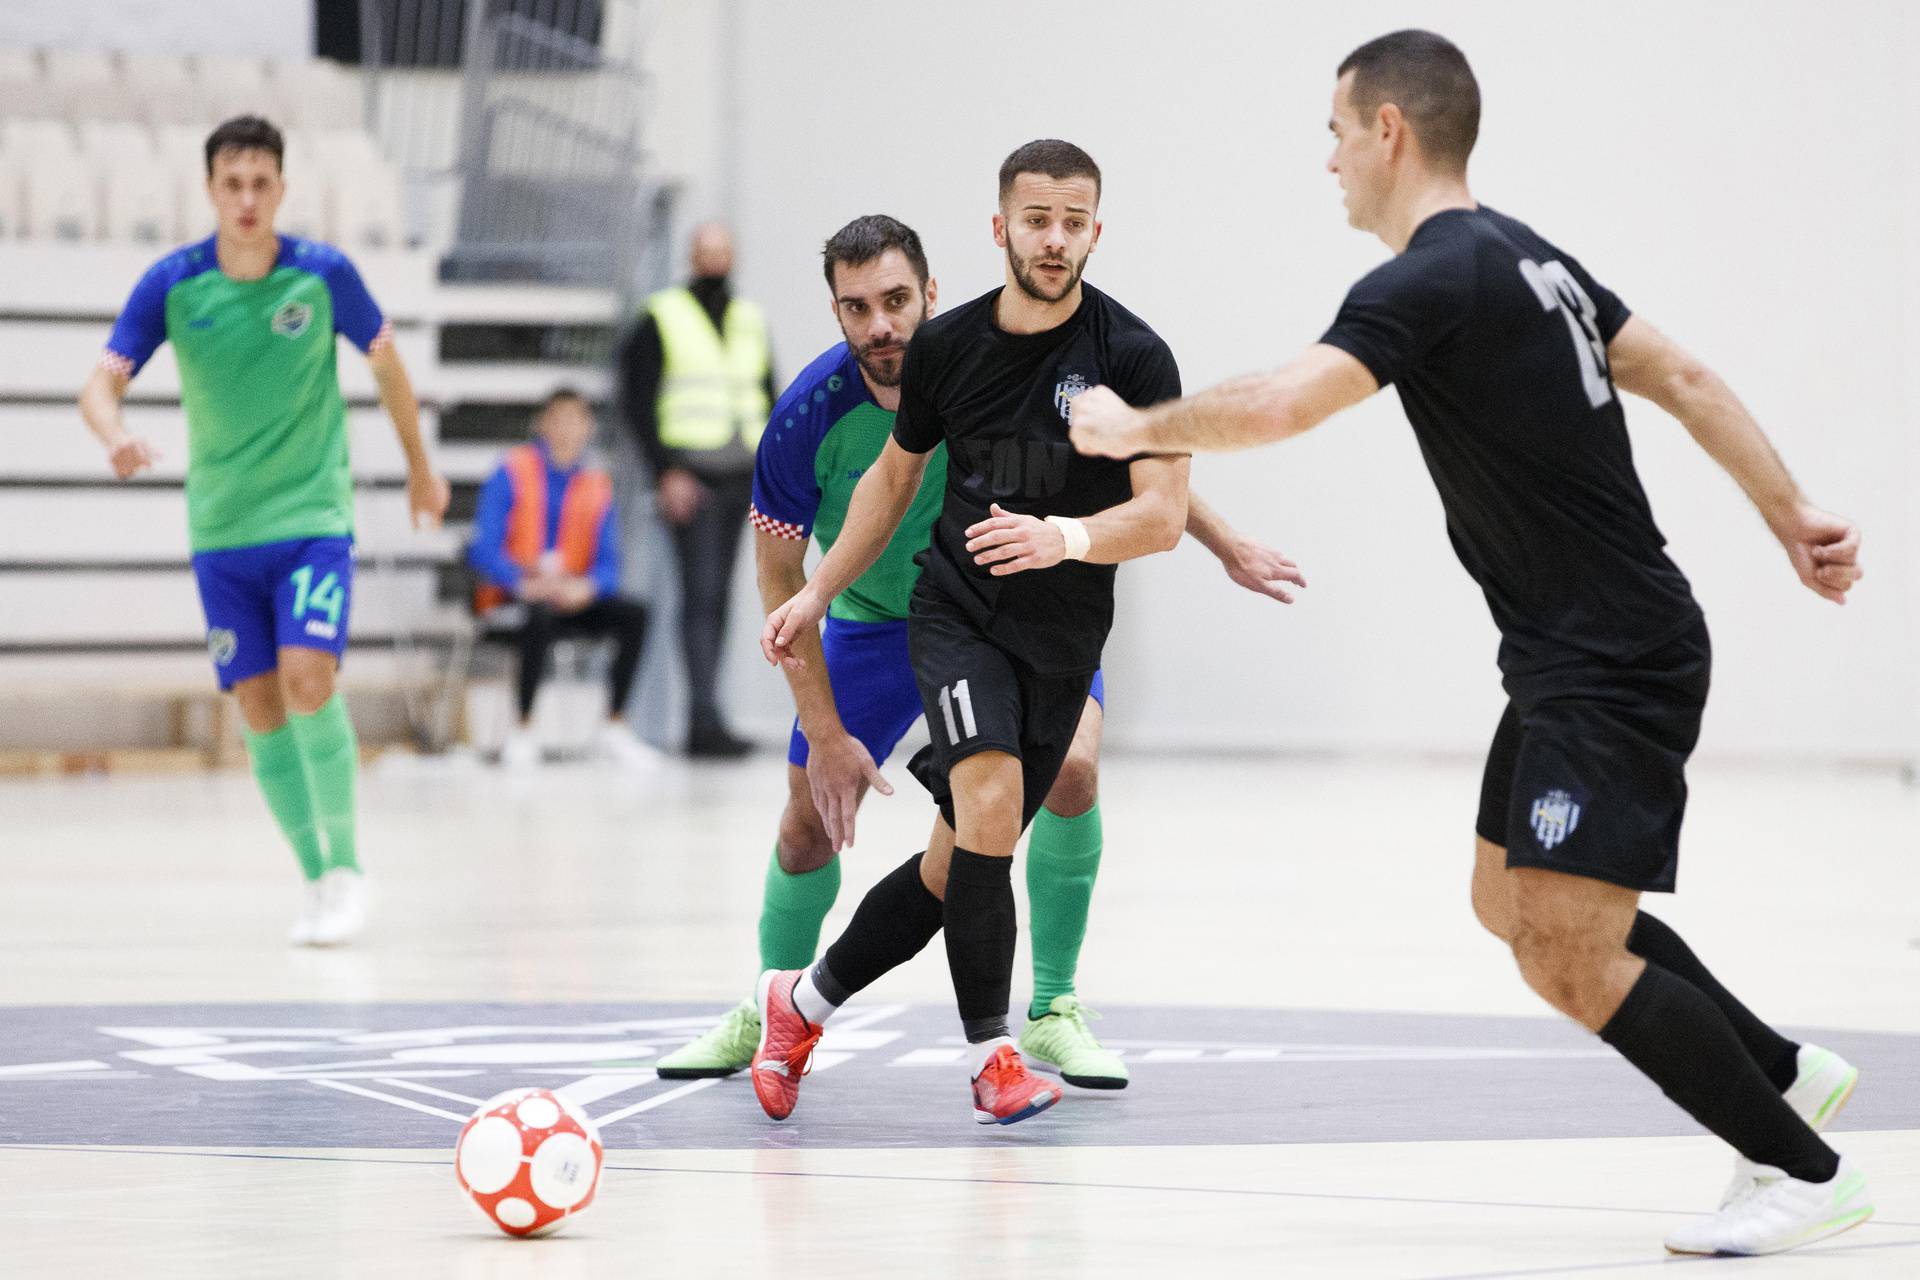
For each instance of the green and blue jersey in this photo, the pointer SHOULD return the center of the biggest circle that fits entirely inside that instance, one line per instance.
(825, 431)
(266, 423)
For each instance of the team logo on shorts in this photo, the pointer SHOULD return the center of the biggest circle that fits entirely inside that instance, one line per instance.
(222, 644)
(1555, 815)
(292, 319)
(1064, 393)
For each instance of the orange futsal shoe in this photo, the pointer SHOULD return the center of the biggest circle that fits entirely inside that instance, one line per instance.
(1005, 1092)
(786, 1044)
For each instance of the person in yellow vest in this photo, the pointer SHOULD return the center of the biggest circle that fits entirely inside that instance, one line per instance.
(697, 373)
(546, 534)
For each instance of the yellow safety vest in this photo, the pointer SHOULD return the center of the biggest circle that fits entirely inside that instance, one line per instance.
(713, 389)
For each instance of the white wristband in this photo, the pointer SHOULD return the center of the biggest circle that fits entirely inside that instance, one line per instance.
(1078, 539)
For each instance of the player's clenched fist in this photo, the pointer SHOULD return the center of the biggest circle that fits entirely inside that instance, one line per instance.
(1014, 543)
(132, 456)
(785, 625)
(1104, 425)
(427, 496)
(1824, 549)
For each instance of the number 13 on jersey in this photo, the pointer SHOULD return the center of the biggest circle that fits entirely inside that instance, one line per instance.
(1558, 291)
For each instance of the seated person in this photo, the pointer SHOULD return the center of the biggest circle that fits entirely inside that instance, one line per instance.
(546, 534)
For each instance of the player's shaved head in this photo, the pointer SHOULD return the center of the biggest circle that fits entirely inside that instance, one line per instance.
(1427, 77)
(1050, 158)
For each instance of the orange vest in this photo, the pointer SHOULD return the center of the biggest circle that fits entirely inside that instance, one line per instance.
(583, 506)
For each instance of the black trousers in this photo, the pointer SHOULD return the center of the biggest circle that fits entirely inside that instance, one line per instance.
(623, 619)
(705, 548)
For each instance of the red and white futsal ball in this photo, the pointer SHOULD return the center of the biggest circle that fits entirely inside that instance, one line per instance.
(529, 1160)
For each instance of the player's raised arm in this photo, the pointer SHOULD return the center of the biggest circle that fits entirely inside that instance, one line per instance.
(1239, 414)
(427, 490)
(1823, 548)
(1248, 561)
(1150, 521)
(880, 502)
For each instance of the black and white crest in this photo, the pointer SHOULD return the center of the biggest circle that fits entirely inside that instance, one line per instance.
(1555, 815)
(1072, 385)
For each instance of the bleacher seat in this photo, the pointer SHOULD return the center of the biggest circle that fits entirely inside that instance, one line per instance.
(306, 209)
(60, 200)
(10, 193)
(367, 207)
(316, 94)
(166, 87)
(140, 199)
(87, 84)
(235, 85)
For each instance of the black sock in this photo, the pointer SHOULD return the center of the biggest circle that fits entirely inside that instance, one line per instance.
(980, 931)
(893, 924)
(1678, 1038)
(1779, 1057)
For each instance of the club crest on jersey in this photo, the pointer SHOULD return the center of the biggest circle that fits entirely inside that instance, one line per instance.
(1555, 815)
(222, 644)
(1063, 395)
(292, 319)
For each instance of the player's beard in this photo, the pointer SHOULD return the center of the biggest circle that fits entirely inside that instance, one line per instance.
(877, 373)
(1029, 285)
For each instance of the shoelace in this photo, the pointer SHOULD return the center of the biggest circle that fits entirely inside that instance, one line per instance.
(799, 1059)
(1079, 1014)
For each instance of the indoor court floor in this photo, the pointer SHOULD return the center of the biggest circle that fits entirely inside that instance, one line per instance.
(1335, 1072)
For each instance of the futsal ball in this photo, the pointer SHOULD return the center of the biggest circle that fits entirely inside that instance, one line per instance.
(529, 1160)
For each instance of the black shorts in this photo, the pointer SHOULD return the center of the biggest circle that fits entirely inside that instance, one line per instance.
(980, 698)
(1591, 778)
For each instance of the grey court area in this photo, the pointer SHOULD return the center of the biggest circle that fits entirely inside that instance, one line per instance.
(406, 1075)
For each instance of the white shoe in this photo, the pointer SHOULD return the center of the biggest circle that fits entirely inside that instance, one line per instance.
(618, 744)
(313, 905)
(1776, 1213)
(1817, 1094)
(520, 751)
(344, 910)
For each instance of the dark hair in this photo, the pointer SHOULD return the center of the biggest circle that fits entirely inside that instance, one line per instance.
(246, 133)
(1428, 78)
(869, 236)
(559, 394)
(1050, 156)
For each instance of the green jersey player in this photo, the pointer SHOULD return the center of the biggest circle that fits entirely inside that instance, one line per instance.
(252, 317)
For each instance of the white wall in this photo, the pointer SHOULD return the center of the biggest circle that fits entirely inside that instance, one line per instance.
(264, 28)
(1739, 173)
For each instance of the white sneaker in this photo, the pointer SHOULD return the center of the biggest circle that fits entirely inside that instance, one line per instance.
(520, 751)
(313, 905)
(618, 744)
(1817, 1094)
(344, 911)
(1776, 1213)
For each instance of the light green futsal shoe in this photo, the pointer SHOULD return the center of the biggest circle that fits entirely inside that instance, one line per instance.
(720, 1052)
(1062, 1040)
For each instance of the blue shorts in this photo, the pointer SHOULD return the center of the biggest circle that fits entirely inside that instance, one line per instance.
(873, 686)
(277, 595)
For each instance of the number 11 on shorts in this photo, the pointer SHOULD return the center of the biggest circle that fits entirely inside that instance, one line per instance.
(960, 696)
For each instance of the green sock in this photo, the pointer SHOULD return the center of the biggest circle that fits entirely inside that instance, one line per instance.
(791, 909)
(332, 756)
(283, 781)
(1063, 858)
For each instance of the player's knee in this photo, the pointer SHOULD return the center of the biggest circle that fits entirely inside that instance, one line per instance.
(1493, 907)
(1563, 967)
(1077, 787)
(804, 845)
(307, 689)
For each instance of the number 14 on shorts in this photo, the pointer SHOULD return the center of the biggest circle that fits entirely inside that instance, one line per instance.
(327, 597)
(960, 697)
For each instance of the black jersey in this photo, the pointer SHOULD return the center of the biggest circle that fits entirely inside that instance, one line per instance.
(1000, 403)
(1497, 342)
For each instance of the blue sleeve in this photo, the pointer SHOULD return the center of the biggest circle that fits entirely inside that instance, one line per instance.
(786, 493)
(142, 324)
(488, 551)
(355, 313)
(606, 556)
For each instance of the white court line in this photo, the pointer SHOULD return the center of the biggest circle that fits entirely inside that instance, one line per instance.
(49, 1068)
(377, 1096)
(417, 1087)
(856, 1019)
(657, 1100)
